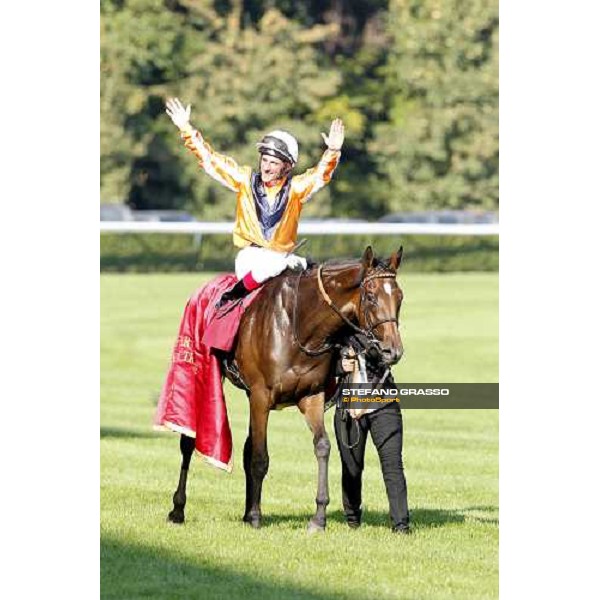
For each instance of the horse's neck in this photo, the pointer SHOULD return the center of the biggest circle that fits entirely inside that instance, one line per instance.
(316, 320)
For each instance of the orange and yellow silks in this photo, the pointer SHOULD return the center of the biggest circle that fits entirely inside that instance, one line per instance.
(247, 229)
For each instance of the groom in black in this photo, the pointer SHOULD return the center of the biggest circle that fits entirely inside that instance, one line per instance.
(385, 427)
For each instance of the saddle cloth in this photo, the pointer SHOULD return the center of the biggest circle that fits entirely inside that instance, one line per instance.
(192, 401)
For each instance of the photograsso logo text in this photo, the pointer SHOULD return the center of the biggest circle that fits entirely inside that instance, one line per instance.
(420, 395)
(395, 392)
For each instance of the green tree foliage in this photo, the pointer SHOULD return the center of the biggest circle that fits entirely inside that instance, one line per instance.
(439, 145)
(142, 45)
(241, 81)
(414, 81)
(251, 80)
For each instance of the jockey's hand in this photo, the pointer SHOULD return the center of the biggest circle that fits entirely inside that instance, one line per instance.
(179, 114)
(348, 365)
(296, 262)
(335, 139)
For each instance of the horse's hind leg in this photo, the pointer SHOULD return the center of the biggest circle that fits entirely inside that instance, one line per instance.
(312, 407)
(256, 460)
(186, 445)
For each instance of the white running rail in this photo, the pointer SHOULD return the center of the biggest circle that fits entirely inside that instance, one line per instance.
(307, 228)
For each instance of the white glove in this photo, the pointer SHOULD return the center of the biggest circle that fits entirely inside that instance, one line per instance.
(335, 139)
(296, 262)
(179, 114)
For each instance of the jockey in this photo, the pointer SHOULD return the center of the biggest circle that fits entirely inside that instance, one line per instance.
(268, 203)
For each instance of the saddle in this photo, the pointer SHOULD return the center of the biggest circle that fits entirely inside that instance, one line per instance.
(222, 331)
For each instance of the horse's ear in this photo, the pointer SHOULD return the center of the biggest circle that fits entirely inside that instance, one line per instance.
(367, 257)
(396, 259)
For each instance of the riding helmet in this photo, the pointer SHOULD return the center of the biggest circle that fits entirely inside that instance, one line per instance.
(279, 144)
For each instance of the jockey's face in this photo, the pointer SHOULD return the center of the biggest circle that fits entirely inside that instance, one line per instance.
(272, 168)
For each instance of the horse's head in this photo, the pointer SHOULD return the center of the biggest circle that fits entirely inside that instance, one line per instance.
(379, 303)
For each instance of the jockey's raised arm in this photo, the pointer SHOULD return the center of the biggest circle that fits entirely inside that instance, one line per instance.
(314, 179)
(269, 200)
(220, 167)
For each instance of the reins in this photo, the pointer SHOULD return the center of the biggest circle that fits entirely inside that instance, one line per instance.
(364, 299)
(345, 431)
(326, 347)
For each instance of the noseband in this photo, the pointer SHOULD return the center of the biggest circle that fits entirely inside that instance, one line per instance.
(366, 298)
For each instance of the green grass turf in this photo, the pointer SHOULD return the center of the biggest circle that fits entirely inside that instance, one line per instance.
(450, 333)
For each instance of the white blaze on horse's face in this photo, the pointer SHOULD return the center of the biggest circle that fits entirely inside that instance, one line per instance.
(385, 318)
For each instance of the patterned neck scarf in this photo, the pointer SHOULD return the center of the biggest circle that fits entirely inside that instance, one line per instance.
(269, 216)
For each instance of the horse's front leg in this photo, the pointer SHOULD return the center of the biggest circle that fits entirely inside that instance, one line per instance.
(312, 407)
(186, 445)
(247, 472)
(256, 458)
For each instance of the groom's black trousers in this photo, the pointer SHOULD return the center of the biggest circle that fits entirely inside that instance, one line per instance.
(385, 426)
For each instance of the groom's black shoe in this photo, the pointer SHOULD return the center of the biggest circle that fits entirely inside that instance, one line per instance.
(402, 530)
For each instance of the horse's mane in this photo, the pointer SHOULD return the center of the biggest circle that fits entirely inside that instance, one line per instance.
(342, 264)
(335, 266)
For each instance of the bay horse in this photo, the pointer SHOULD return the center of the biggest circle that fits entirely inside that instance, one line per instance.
(285, 351)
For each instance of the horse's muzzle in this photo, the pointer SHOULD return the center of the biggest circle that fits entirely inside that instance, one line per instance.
(392, 355)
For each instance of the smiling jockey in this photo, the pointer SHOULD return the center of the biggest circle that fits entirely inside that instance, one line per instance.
(269, 202)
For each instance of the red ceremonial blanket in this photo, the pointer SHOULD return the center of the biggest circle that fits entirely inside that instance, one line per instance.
(192, 401)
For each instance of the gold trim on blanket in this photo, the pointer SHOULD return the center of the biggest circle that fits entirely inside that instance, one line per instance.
(213, 462)
(168, 426)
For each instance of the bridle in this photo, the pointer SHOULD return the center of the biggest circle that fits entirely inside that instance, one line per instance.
(366, 298)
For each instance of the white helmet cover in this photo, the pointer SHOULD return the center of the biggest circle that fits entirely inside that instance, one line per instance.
(279, 144)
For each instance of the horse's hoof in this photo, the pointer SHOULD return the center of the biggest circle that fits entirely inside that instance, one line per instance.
(176, 517)
(313, 527)
(253, 522)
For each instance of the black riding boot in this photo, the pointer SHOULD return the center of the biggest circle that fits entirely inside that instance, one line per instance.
(237, 291)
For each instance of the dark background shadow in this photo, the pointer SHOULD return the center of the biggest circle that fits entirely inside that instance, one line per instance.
(129, 571)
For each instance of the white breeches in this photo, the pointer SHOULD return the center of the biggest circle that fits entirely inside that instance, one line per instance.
(264, 263)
